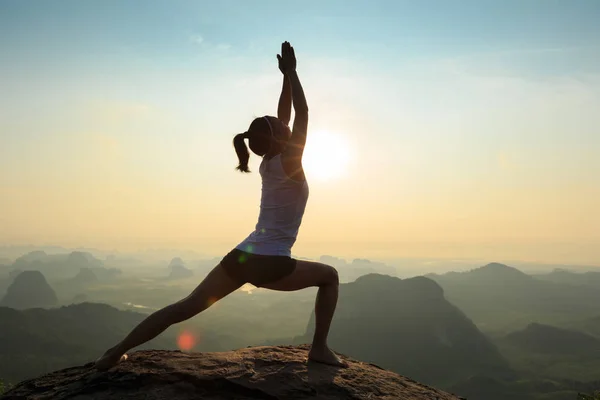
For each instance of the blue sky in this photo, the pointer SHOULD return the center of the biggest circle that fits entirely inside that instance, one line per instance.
(388, 29)
(473, 114)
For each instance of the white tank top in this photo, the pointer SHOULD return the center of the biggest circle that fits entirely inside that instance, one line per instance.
(282, 206)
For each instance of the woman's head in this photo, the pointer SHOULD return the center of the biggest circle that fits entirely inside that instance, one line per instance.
(267, 136)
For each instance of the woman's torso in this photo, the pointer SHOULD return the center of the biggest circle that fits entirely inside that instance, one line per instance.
(282, 206)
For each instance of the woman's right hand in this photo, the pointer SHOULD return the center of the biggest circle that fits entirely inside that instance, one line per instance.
(287, 58)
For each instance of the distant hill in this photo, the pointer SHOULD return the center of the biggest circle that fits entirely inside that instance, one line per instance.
(546, 352)
(499, 298)
(409, 327)
(545, 339)
(563, 276)
(178, 269)
(63, 266)
(349, 272)
(79, 298)
(85, 276)
(490, 388)
(591, 326)
(37, 341)
(28, 290)
(180, 272)
(493, 273)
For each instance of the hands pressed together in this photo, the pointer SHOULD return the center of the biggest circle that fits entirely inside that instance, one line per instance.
(287, 58)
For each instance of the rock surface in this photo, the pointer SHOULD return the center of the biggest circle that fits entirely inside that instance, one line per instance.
(278, 372)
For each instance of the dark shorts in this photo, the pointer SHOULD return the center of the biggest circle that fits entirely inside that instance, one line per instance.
(257, 269)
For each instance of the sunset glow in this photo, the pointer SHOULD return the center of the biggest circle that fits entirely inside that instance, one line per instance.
(327, 156)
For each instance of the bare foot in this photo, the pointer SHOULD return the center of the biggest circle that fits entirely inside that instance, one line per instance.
(109, 360)
(324, 355)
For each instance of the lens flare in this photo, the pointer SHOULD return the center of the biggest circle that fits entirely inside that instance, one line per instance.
(186, 341)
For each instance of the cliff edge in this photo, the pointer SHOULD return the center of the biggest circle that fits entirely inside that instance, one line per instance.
(268, 372)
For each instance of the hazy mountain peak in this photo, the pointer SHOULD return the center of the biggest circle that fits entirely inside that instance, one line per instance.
(29, 289)
(500, 271)
(176, 262)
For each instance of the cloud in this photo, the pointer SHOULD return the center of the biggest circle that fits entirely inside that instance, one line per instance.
(196, 39)
(199, 40)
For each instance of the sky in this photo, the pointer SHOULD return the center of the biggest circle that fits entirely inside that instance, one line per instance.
(464, 128)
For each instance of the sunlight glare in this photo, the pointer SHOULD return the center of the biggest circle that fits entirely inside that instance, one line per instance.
(326, 155)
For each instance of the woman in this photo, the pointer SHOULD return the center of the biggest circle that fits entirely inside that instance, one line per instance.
(264, 257)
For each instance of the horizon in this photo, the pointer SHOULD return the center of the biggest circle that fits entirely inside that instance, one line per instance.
(405, 267)
(466, 130)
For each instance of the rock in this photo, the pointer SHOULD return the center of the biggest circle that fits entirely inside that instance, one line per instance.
(279, 372)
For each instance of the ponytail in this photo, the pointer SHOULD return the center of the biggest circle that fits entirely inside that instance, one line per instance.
(242, 152)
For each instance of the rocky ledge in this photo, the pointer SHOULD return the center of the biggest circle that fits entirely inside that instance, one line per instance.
(270, 372)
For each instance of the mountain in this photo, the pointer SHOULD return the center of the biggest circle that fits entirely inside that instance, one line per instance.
(180, 272)
(409, 327)
(349, 272)
(35, 255)
(178, 269)
(176, 261)
(251, 373)
(563, 276)
(85, 276)
(546, 352)
(501, 299)
(37, 341)
(79, 298)
(29, 289)
(489, 388)
(545, 339)
(492, 273)
(61, 266)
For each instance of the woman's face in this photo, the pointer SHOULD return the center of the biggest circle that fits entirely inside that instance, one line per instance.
(273, 139)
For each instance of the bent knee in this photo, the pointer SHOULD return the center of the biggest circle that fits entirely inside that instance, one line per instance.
(331, 276)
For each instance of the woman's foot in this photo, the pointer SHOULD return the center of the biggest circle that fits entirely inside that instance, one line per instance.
(325, 355)
(109, 360)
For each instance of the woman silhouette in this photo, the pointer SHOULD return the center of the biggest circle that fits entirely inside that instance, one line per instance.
(264, 257)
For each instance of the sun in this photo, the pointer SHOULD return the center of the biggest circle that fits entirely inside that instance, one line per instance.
(326, 155)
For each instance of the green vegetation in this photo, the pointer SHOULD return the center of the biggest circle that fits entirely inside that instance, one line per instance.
(4, 386)
(594, 396)
(410, 328)
(38, 341)
(501, 299)
(504, 334)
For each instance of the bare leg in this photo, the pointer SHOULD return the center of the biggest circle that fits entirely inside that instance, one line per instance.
(214, 287)
(307, 274)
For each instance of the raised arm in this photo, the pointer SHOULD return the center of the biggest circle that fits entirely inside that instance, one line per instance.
(299, 130)
(284, 108)
(292, 155)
